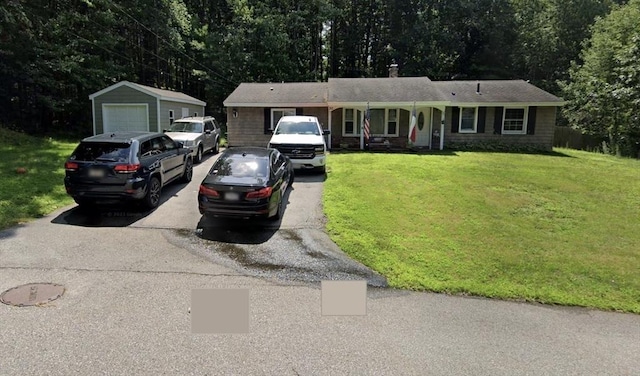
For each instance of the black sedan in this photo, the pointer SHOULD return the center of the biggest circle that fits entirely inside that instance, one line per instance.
(246, 182)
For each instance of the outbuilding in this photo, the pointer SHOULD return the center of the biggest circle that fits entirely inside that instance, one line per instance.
(128, 106)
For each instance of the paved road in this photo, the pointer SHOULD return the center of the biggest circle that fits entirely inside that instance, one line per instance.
(129, 276)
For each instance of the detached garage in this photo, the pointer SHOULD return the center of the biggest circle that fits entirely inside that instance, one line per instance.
(126, 106)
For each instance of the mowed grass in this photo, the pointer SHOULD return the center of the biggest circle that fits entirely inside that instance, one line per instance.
(40, 190)
(562, 228)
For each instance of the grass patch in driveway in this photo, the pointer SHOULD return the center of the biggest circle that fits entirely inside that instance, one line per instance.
(562, 228)
(38, 191)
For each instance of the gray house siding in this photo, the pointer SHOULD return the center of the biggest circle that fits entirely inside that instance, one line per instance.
(124, 95)
(545, 119)
(176, 107)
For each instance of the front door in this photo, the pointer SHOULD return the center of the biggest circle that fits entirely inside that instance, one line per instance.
(423, 128)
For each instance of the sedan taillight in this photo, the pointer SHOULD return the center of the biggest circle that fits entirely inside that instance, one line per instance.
(262, 193)
(208, 191)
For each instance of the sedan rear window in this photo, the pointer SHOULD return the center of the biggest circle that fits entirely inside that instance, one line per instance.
(102, 151)
(241, 167)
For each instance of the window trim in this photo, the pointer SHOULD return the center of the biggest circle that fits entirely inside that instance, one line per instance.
(386, 122)
(525, 119)
(357, 127)
(357, 122)
(273, 124)
(475, 120)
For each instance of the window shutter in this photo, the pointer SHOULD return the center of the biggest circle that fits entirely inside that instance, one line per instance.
(267, 120)
(482, 117)
(455, 119)
(299, 111)
(497, 120)
(531, 120)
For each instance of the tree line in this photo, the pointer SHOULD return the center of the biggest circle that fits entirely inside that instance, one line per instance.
(54, 53)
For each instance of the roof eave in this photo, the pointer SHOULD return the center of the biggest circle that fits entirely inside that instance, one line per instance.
(241, 104)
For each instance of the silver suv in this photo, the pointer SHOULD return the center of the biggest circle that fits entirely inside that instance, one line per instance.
(201, 134)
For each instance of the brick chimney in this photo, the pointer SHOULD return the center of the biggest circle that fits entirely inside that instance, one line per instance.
(393, 70)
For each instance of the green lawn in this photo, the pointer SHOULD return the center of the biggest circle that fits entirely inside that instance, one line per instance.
(40, 190)
(561, 228)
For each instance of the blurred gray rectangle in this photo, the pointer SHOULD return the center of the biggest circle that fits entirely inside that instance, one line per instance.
(344, 298)
(220, 311)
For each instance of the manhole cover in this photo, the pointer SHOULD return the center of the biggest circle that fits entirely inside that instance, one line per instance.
(32, 294)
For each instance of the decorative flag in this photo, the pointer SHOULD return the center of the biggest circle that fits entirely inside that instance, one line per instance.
(412, 125)
(367, 116)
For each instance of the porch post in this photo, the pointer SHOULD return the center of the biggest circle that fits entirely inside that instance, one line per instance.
(361, 127)
(329, 121)
(442, 128)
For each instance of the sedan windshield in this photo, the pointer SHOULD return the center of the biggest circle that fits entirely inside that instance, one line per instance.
(298, 128)
(183, 126)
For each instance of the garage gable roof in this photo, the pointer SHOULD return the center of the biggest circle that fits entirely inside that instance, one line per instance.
(165, 95)
(295, 94)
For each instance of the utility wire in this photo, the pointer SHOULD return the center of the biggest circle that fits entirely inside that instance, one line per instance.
(170, 45)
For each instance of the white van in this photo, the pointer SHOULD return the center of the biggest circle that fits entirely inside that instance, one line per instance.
(301, 138)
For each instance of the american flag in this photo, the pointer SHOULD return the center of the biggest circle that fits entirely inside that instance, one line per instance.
(367, 116)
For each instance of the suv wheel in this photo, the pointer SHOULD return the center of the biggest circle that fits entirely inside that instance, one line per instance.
(216, 147)
(188, 171)
(199, 154)
(152, 199)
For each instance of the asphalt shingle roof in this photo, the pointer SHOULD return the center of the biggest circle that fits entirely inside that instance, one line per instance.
(400, 90)
(396, 89)
(494, 91)
(291, 93)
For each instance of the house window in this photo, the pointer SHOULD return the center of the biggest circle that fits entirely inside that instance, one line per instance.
(277, 113)
(351, 124)
(171, 117)
(195, 114)
(382, 122)
(468, 119)
(514, 120)
(392, 122)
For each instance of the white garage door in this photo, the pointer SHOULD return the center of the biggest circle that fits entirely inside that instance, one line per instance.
(119, 117)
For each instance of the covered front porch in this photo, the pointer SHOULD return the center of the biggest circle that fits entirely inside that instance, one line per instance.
(389, 126)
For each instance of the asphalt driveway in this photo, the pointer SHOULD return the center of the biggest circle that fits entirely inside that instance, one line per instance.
(129, 274)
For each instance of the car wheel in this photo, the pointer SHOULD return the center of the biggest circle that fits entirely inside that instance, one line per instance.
(199, 155)
(188, 171)
(152, 199)
(291, 178)
(216, 147)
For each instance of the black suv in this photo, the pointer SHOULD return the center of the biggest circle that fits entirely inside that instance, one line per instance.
(125, 166)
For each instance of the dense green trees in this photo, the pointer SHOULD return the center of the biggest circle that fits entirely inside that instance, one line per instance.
(54, 53)
(604, 91)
